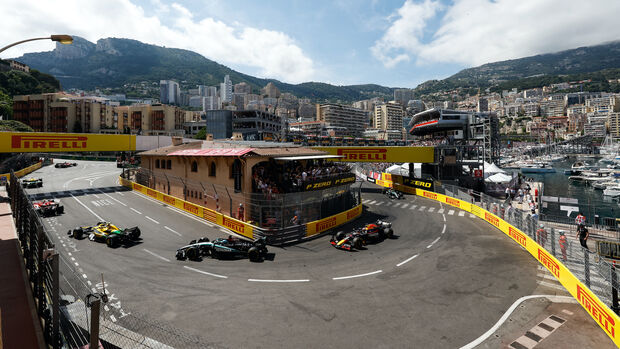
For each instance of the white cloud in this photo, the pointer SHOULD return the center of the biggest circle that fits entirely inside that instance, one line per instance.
(403, 37)
(474, 32)
(274, 54)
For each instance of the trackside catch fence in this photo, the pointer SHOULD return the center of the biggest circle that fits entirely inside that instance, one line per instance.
(67, 305)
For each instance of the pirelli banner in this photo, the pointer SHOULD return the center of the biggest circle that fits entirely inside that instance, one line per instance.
(233, 224)
(327, 183)
(382, 154)
(41, 142)
(604, 317)
(328, 223)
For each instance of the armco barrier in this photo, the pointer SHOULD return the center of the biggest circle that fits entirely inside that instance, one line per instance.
(605, 317)
(6, 177)
(325, 224)
(242, 228)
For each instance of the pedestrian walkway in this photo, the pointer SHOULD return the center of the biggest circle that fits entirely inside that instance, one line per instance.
(18, 323)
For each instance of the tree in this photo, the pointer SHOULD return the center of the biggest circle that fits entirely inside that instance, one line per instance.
(14, 125)
(202, 134)
(6, 106)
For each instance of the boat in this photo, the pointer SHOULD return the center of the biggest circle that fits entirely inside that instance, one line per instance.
(612, 191)
(603, 185)
(537, 168)
(578, 167)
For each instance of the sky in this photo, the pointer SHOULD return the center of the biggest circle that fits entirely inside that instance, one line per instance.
(396, 43)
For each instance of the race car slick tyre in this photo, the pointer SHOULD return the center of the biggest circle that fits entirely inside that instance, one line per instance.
(358, 243)
(389, 233)
(180, 255)
(253, 254)
(111, 242)
(340, 235)
(134, 234)
(215, 254)
(60, 210)
(192, 254)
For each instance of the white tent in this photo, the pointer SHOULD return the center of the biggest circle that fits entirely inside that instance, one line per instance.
(403, 169)
(490, 169)
(499, 178)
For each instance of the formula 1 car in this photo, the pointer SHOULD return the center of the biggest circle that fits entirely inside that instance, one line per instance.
(373, 232)
(32, 182)
(65, 164)
(48, 207)
(104, 231)
(393, 194)
(220, 247)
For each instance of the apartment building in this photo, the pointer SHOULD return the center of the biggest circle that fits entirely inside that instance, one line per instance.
(389, 117)
(348, 120)
(59, 112)
(552, 107)
(613, 124)
(169, 92)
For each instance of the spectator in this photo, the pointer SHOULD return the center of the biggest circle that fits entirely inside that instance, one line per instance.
(541, 235)
(580, 220)
(583, 236)
(563, 244)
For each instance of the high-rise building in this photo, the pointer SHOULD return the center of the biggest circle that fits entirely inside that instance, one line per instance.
(169, 92)
(243, 87)
(389, 117)
(403, 95)
(270, 91)
(226, 90)
(346, 120)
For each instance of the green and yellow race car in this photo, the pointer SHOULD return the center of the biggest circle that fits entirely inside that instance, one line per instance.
(32, 182)
(108, 233)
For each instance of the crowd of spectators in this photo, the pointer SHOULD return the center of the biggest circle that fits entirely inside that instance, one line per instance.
(274, 178)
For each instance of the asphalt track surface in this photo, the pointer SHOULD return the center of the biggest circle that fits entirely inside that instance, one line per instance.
(441, 282)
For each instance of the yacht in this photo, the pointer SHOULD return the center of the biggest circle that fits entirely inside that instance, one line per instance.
(612, 191)
(577, 168)
(540, 167)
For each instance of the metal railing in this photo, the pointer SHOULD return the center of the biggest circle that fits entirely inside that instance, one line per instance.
(68, 308)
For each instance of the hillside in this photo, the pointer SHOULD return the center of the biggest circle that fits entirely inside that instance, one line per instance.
(113, 62)
(530, 70)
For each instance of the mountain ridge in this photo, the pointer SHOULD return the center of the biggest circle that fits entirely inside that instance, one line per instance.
(113, 62)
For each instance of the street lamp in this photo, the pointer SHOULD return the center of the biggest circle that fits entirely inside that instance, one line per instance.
(63, 39)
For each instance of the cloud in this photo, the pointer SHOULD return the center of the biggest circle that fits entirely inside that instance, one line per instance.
(402, 38)
(474, 32)
(271, 53)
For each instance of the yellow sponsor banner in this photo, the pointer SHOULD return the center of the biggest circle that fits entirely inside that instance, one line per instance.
(235, 225)
(24, 171)
(382, 154)
(604, 317)
(325, 224)
(43, 142)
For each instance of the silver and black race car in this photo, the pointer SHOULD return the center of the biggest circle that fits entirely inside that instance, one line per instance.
(393, 194)
(221, 247)
(32, 182)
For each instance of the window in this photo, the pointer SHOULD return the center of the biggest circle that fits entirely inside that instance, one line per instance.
(157, 163)
(169, 164)
(194, 166)
(212, 169)
(200, 195)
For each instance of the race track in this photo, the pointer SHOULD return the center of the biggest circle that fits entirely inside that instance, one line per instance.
(443, 281)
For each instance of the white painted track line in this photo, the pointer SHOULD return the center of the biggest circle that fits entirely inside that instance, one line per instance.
(278, 281)
(88, 208)
(441, 210)
(156, 255)
(434, 242)
(111, 197)
(462, 214)
(406, 260)
(444, 229)
(500, 322)
(172, 230)
(431, 209)
(357, 276)
(206, 273)
(136, 211)
(151, 219)
(451, 212)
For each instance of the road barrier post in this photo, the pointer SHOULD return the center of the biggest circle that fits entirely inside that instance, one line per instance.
(55, 302)
(553, 242)
(94, 323)
(614, 290)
